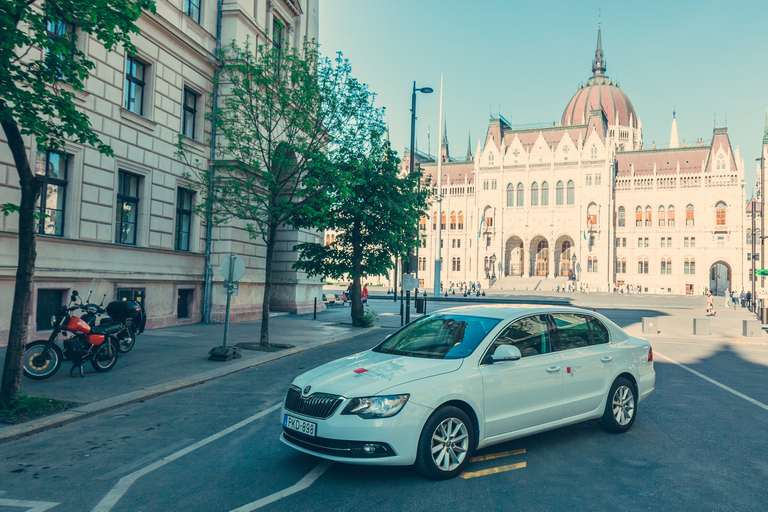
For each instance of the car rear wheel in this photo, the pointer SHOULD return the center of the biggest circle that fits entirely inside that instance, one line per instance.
(620, 408)
(445, 444)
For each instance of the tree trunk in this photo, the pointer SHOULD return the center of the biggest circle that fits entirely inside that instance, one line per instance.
(356, 304)
(17, 337)
(271, 238)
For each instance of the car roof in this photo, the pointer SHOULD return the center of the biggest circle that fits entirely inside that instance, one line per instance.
(505, 311)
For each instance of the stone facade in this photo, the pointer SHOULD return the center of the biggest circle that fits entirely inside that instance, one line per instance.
(156, 255)
(584, 203)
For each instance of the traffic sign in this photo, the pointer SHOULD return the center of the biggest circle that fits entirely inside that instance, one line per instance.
(238, 267)
(409, 282)
(762, 272)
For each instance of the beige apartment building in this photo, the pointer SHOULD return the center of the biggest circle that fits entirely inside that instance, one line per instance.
(125, 225)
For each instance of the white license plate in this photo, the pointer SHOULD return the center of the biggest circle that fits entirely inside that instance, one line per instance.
(305, 427)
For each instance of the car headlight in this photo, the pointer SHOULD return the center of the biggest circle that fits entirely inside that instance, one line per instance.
(376, 406)
(53, 321)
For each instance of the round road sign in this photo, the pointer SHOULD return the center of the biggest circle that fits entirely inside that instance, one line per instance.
(238, 267)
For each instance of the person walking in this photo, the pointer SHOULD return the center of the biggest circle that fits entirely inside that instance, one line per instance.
(365, 294)
(710, 305)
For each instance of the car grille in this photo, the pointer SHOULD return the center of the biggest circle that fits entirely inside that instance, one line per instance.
(316, 405)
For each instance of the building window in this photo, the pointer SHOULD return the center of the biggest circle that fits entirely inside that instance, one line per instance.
(442, 221)
(642, 266)
(456, 264)
(490, 158)
(648, 217)
(453, 220)
(277, 32)
(588, 180)
(666, 266)
(685, 242)
(489, 222)
(135, 294)
(693, 241)
(190, 114)
(520, 194)
(645, 240)
(593, 152)
(127, 208)
(545, 194)
(720, 214)
(461, 220)
(689, 215)
(571, 192)
(192, 8)
(720, 241)
(51, 171)
(510, 195)
(622, 216)
(662, 216)
(485, 185)
(623, 242)
(535, 194)
(183, 219)
(559, 194)
(49, 303)
(183, 301)
(618, 242)
(134, 85)
(423, 223)
(663, 242)
(592, 264)
(640, 242)
(598, 179)
(61, 33)
(493, 184)
(671, 216)
(638, 217)
(622, 267)
(689, 266)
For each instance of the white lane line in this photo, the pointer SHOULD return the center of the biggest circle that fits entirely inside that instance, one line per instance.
(31, 506)
(122, 486)
(302, 484)
(713, 381)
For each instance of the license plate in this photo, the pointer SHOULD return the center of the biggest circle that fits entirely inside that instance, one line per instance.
(305, 427)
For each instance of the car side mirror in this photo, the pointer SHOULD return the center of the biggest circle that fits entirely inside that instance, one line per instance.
(506, 353)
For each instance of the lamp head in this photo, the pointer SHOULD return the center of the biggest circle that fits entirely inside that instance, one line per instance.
(426, 90)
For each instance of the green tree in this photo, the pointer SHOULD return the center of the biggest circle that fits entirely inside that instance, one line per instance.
(285, 113)
(375, 220)
(41, 69)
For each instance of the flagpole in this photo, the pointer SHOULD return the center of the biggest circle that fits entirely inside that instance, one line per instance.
(439, 219)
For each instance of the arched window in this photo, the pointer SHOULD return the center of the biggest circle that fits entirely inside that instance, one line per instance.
(545, 194)
(461, 220)
(642, 266)
(534, 194)
(589, 264)
(434, 221)
(622, 216)
(749, 234)
(559, 193)
(458, 264)
(423, 223)
(571, 192)
(648, 216)
(490, 158)
(689, 266)
(720, 214)
(666, 266)
(593, 152)
(671, 216)
(689, 215)
(510, 195)
(453, 220)
(639, 217)
(662, 216)
(623, 265)
(520, 194)
(442, 221)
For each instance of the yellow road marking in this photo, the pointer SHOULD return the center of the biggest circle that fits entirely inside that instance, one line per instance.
(492, 456)
(492, 471)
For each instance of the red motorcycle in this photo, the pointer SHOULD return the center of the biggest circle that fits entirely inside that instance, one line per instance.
(98, 344)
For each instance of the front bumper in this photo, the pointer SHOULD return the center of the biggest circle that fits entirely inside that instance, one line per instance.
(342, 438)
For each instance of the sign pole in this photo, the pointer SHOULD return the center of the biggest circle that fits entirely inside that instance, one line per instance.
(229, 298)
(232, 270)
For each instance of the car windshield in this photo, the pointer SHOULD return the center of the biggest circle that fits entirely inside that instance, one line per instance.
(439, 337)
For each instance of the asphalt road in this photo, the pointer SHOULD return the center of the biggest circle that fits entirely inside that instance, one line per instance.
(694, 446)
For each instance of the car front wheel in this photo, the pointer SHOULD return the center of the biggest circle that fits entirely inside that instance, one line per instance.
(620, 408)
(445, 445)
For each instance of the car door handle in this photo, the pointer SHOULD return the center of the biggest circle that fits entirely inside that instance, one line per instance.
(553, 369)
(606, 359)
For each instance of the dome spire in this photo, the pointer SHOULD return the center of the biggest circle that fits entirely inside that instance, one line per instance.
(598, 65)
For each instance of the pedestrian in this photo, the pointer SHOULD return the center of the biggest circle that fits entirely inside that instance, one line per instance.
(727, 298)
(710, 305)
(365, 294)
(749, 300)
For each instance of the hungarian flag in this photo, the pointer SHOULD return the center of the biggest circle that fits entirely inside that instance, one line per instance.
(585, 229)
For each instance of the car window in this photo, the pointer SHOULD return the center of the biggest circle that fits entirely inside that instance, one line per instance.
(529, 335)
(439, 336)
(598, 330)
(572, 331)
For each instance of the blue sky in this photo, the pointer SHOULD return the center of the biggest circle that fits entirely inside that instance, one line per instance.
(704, 59)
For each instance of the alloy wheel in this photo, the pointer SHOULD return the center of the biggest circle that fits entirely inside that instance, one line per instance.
(623, 405)
(450, 443)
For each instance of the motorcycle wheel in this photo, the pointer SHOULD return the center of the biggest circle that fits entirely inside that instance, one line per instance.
(106, 356)
(126, 339)
(37, 368)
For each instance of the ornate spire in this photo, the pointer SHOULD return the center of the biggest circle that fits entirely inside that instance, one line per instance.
(444, 144)
(445, 131)
(469, 146)
(674, 141)
(598, 65)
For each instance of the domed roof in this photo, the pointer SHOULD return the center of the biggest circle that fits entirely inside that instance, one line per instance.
(599, 93)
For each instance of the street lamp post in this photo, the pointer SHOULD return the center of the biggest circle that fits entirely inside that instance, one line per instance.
(412, 261)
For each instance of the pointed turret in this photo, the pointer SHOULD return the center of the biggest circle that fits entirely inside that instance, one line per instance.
(444, 143)
(469, 146)
(674, 142)
(598, 65)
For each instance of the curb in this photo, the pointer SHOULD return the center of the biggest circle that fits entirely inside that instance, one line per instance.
(13, 432)
(551, 302)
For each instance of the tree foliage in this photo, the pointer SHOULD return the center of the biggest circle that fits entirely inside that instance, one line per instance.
(284, 114)
(42, 68)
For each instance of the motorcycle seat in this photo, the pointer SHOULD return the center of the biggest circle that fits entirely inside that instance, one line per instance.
(106, 329)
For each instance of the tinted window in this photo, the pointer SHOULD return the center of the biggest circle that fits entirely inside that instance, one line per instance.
(572, 331)
(598, 330)
(439, 337)
(529, 335)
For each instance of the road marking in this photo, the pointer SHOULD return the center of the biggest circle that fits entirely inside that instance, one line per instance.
(128, 468)
(302, 484)
(32, 506)
(501, 469)
(127, 481)
(713, 381)
(492, 456)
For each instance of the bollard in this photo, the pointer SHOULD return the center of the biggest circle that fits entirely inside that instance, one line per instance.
(650, 325)
(401, 307)
(408, 307)
(314, 315)
(701, 327)
(751, 328)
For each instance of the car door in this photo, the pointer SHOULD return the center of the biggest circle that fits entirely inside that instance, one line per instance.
(584, 344)
(527, 392)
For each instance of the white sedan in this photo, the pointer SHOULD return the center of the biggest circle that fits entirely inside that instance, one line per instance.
(465, 378)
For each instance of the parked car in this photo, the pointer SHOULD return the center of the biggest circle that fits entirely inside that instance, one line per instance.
(466, 378)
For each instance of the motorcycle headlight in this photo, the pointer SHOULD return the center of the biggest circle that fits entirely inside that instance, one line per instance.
(53, 321)
(376, 406)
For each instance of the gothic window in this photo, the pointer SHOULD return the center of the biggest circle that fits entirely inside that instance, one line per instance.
(490, 158)
(534, 194)
(510, 195)
(442, 221)
(545, 194)
(571, 192)
(559, 193)
(461, 220)
(648, 216)
(689, 215)
(662, 216)
(520, 194)
(593, 152)
(671, 216)
(720, 214)
(453, 220)
(622, 216)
